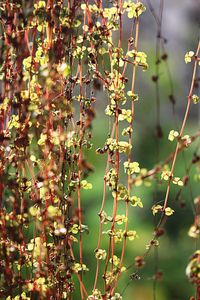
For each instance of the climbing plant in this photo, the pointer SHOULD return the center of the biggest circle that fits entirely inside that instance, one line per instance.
(55, 57)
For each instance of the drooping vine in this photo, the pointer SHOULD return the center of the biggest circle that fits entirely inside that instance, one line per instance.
(55, 57)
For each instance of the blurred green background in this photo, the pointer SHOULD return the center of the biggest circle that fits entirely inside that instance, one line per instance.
(180, 27)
